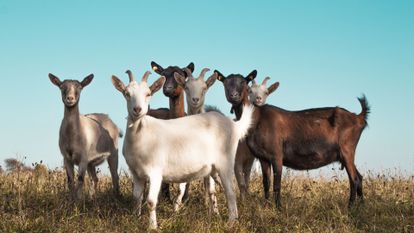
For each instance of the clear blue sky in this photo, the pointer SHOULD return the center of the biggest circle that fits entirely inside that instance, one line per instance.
(324, 53)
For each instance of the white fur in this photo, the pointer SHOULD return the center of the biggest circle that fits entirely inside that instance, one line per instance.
(180, 150)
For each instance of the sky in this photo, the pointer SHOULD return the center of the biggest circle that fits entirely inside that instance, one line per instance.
(323, 53)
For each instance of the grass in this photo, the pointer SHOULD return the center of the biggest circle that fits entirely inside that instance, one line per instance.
(34, 203)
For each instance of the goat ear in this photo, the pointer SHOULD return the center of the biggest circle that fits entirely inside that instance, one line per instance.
(220, 76)
(157, 85)
(179, 79)
(190, 67)
(88, 79)
(210, 81)
(118, 84)
(157, 68)
(251, 76)
(273, 87)
(55, 80)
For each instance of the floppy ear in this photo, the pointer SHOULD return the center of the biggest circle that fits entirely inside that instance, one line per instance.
(157, 85)
(190, 67)
(251, 76)
(180, 79)
(55, 80)
(118, 84)
(88, 79)
(210, 81)
(273, 87)
(157, 68)
(220, 76)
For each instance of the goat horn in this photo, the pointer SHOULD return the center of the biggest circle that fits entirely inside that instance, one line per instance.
(203, 72)
(145, 77)
(130, 75)
(188, 71)
(265, 80)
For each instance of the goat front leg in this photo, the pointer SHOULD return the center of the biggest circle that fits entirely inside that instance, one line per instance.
(70, 174)
(81, 178)
(277, 164)
(155, 185)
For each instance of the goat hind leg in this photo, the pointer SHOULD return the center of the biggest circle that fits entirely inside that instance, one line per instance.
(94, 179)
(226, 181)
(113, 168)
(178, 202)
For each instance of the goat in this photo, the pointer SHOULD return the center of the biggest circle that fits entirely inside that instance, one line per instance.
(174, 92)
(259, 93)
(235, 87)
(195, 90)
(308, 139)
(160, 150)
(85, 140)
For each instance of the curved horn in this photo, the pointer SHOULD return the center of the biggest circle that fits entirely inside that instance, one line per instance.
(145, 77)
(265, 80)
(188, 71)
(130, 75)
(203, 72)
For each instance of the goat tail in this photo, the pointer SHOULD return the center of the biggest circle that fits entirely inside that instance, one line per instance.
(243, 125)
(366, 109)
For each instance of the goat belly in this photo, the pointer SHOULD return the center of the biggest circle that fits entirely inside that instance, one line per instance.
(182, 174)
(310, 155)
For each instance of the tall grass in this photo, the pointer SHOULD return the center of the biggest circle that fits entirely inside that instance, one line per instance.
(40, 203)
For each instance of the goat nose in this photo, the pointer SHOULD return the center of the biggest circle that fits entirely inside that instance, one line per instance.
(234, 94)
(258, 98)
(70, 98)
(137, 110)
(195, 100)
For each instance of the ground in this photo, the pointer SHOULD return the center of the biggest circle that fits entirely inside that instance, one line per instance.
(40, 203)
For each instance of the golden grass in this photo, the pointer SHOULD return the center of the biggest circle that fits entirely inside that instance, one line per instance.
(33, 203)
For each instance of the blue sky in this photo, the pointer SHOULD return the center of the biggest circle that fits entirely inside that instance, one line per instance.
(323, 53)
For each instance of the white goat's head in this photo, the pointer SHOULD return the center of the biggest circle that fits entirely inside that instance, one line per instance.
(136, 94)
(195, 88)
(259, 93)
(70, 89)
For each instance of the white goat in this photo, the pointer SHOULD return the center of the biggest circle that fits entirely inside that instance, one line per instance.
(259, 93)
(195, 90)
(160, 150)
(85, 140)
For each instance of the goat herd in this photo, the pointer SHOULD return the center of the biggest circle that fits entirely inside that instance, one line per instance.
(165, 146)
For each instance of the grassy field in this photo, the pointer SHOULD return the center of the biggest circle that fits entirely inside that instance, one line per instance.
(32, 202)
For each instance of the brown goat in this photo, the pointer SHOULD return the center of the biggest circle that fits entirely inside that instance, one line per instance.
(308, 139)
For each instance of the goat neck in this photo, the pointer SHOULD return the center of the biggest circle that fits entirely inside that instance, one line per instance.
(177, 106)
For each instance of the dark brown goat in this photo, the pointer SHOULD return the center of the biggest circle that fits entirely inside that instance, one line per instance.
(235, 87)
(308, 139)
(175, 93)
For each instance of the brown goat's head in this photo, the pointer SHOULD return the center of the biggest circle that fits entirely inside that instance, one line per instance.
(171, 88)
(70, 89)
(235, 86)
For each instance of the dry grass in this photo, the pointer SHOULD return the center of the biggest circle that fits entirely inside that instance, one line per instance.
(33, 203)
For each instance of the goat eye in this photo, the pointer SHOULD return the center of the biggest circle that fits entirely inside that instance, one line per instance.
(127, 94)
(149, 94)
